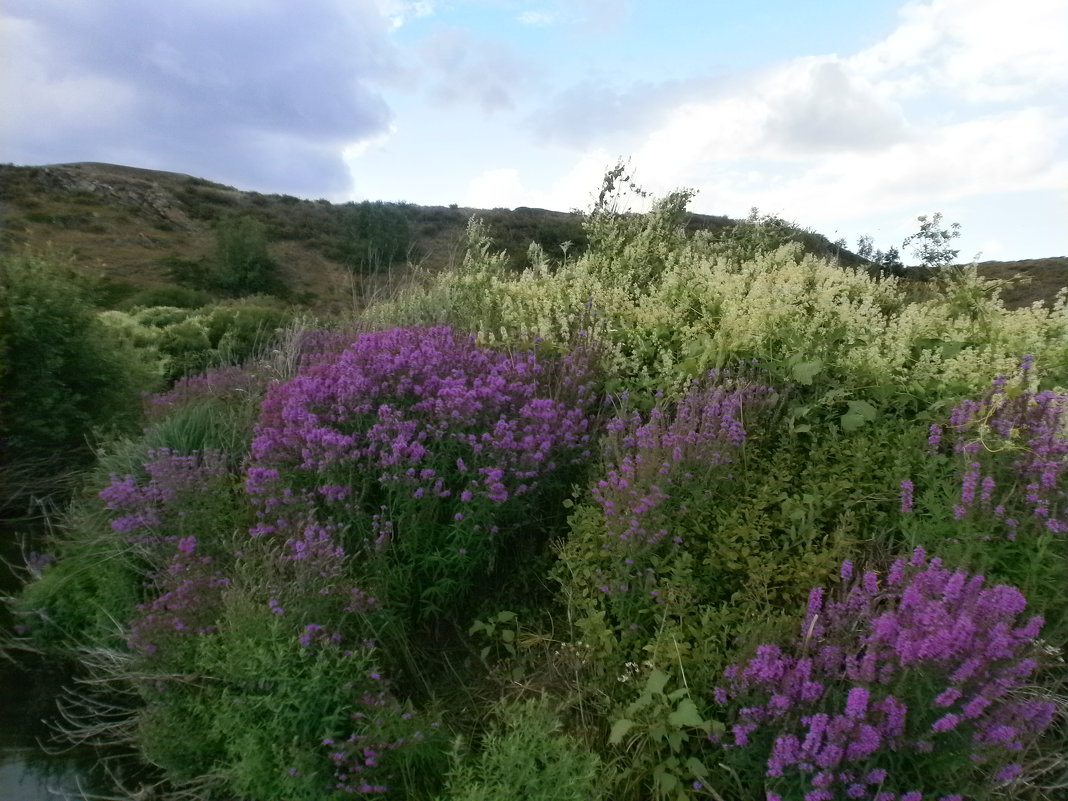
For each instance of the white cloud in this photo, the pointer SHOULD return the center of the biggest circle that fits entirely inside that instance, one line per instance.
(984, 50)
(538, 18)
(600, 16)
(833, 137)
(400, 13)
(497, 188)
(37, 87)
(258, 94)
(1011, 152)
(505, 187)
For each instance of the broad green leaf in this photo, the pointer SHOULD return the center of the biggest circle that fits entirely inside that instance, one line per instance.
(686, 714)
(804, 372)
(619, 731)
(654, 685)
(860, 412)
(696, 767)
(950, 350)
(666, 781)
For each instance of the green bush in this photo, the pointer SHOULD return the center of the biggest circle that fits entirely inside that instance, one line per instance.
(186, 348)
(67, 378)
(161, 316)
(375, 235)
(244, 265)
(526, 756)
(190, 341)
(239, 330)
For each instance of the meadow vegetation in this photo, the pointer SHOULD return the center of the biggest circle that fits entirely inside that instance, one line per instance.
(676, 515)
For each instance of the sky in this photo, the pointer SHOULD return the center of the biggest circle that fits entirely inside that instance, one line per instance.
(850, 117)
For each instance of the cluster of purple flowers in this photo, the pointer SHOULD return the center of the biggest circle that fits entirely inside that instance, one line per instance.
(393, 400)
(1028, 425)
(921, 665)
(650, 457)
(173, 478)
(214, 384)
(384, 725)
(188, 604)
(407, 440)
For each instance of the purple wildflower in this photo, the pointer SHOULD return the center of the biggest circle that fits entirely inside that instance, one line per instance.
(923, 620)
(906, 496)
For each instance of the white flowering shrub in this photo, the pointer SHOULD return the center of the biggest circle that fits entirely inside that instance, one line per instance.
(666, 306)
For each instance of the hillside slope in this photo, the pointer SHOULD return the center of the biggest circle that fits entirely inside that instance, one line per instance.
(136, 229)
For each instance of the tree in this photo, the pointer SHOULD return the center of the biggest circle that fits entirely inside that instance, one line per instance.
(244, 264)
(931, 243)
(375, 235)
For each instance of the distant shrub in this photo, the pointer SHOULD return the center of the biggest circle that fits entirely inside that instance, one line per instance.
(185, 347)
(238, 330)
(930, 244)
(373, 235)
(244, 266)
(186, 341)
(161, 316)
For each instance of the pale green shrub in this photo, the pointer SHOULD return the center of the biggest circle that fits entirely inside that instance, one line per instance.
(526, 756)
(665, 307)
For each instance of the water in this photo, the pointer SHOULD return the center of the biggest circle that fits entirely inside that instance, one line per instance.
(28, 771)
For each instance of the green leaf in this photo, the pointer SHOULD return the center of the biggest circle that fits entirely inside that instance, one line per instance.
(696, 767)
(666, 782)
(619, 731)
(950, 350)
(686, 714)
(654, 685)
(860, 412)
(804, 372)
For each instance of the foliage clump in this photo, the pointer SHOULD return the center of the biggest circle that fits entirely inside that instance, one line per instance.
(66, 379)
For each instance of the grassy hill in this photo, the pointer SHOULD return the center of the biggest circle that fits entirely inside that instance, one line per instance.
(139, 232)
(137, 229)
